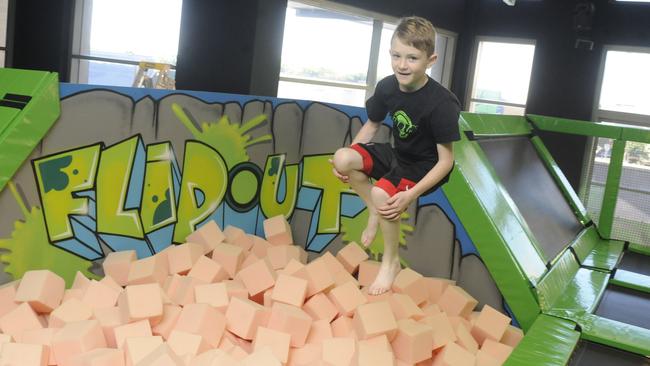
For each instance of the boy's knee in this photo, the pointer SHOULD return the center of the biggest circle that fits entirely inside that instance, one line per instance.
(379, 196)
(344, 159)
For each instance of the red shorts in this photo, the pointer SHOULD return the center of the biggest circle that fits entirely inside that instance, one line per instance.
(392, 173)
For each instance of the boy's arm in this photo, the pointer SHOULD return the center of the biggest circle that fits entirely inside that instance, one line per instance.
(367, 132)
(398, 203)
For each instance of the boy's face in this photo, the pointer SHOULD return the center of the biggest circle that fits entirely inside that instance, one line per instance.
(409, 65)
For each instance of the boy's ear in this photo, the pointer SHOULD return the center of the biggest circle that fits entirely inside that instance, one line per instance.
(432, 60)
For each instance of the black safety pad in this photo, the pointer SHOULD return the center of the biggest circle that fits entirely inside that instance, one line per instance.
(594, 354)
(625, 305)
(635, 262)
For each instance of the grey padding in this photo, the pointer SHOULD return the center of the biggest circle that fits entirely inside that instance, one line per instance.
(635, 262)
(594, 354)
(625, 305)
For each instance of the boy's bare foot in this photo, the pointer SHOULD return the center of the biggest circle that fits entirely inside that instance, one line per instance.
(385, 277)
(370, 232)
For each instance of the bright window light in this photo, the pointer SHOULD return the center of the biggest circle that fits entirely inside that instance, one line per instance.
(501, 77)
(3, 30)
(625, 82)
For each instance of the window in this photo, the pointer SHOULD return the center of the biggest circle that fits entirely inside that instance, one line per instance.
(622, 98)
(4, 8)
(107, 53)
(501, 76)
(336, 53)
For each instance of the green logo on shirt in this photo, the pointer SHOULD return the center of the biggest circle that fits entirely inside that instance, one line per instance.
(403, 124)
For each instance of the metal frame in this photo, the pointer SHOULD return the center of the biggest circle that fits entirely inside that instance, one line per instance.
(471, 81)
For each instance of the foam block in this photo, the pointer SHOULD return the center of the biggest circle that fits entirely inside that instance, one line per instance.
(370, 357)
(75, 338)
(249, 259)
(290, 290)
(23, 354)
(257, 277)
(229, 256)
(512, 336)
(343, 327)
(347, 298)
(208, 235)
(483, 358)
(499, 351)
(243, 317)
(148, 270)
(307, 355)
(180, 289)
(343, 277)
(108, 281)
(465, 339)
(168, 321)
(368, 270)
(20, 319)
(208, 271)
(42, 289)
(182, 257)
(144, 302)
(277, 231)
(80, 281)
(319, 331)
(237, 236)
(99, 357)
(456, 301)
(333, 264)
(213, 294)
(278, 341)
(118, 264)
(291, 320)
(213, 357)
(260, 246)
(320, 307)
(351, 257)
(431, 309)
(413, 342)
(7, 295)
(137, 348)
(100, 295)
(280, 255)
(489, 324)
(318, 277)
(236, 289)
(263, 356)
(436, 287)
(70, 311)
(203, 320)
(140, 328)
(404, 307)
(443, 331)
(411, 283)
(454, 355)
(339, 351)
(184, 343)
(37, 336)
(375, 319)
(109, 319)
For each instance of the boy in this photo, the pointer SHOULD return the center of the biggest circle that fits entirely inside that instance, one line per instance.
(425, 123)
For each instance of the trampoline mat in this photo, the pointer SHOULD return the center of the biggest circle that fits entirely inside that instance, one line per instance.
(532, 188)
(594, 354)
(635, 262)
(626, 306)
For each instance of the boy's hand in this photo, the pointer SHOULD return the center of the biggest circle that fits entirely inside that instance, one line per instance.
(341, 177)
(395, 205)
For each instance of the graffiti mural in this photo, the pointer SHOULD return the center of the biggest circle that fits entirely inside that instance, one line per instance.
(140, 169)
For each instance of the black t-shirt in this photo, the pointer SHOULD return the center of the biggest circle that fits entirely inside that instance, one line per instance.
(421, 119)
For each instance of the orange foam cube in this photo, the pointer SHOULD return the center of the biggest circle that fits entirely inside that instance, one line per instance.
(343, 277)
(180, 289)
(109, 319)
(347, 298)
(290, 290)
(465, 339)
(281, 255)
(483, 358)
(371, 357)
(36, 336)
(413, 342)
(319, 331)
(42, 289)
(411, 283)
(319, 307)
(20, 319)
(23, 354)
(229, 256)
(118, 264)
(213, 294)
(148, 270)
(262, 356)
(168, 321)
(333, 264)
(278, 341)
(137, 348)
(236, 288)
(213, 357)
(257, 277)
(144, 302)
(243, 316)
(291, 320)
(260, 246)
(404, 307)
(454, 355)
(182, 257)
(100, 295)
(237, 236)
(512, 336)
(317, 275)
(351, 257)
(436, 287)
(183, 343)
(7, 295)
(75, 338)
(456, 301)
(368, 270)
(307, 355)
(374, 319)
(443, 331)
(140, 328)
(204, 320)
(80, 281)
(208, 235)
(208, 271)
(99, 357)
(490, 324)
(343, 327)
(277, 231)
(70, 311)
(339, 351)
(499, 351)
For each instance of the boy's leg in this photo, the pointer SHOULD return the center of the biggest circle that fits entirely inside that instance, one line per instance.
(349, 162)
(390, 266)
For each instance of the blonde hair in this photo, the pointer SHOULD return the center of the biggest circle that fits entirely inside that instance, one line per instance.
(417, 32)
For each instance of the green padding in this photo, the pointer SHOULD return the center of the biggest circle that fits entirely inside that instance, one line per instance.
(610, 196)
(560, 179)
(550, 341)
(551, 287)
(631, 280)
(609, 332)
(20, 134)
(575, 127)
(635, 133)
(496, 124)
(503, 245)
(592, 251)
(641, 249)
